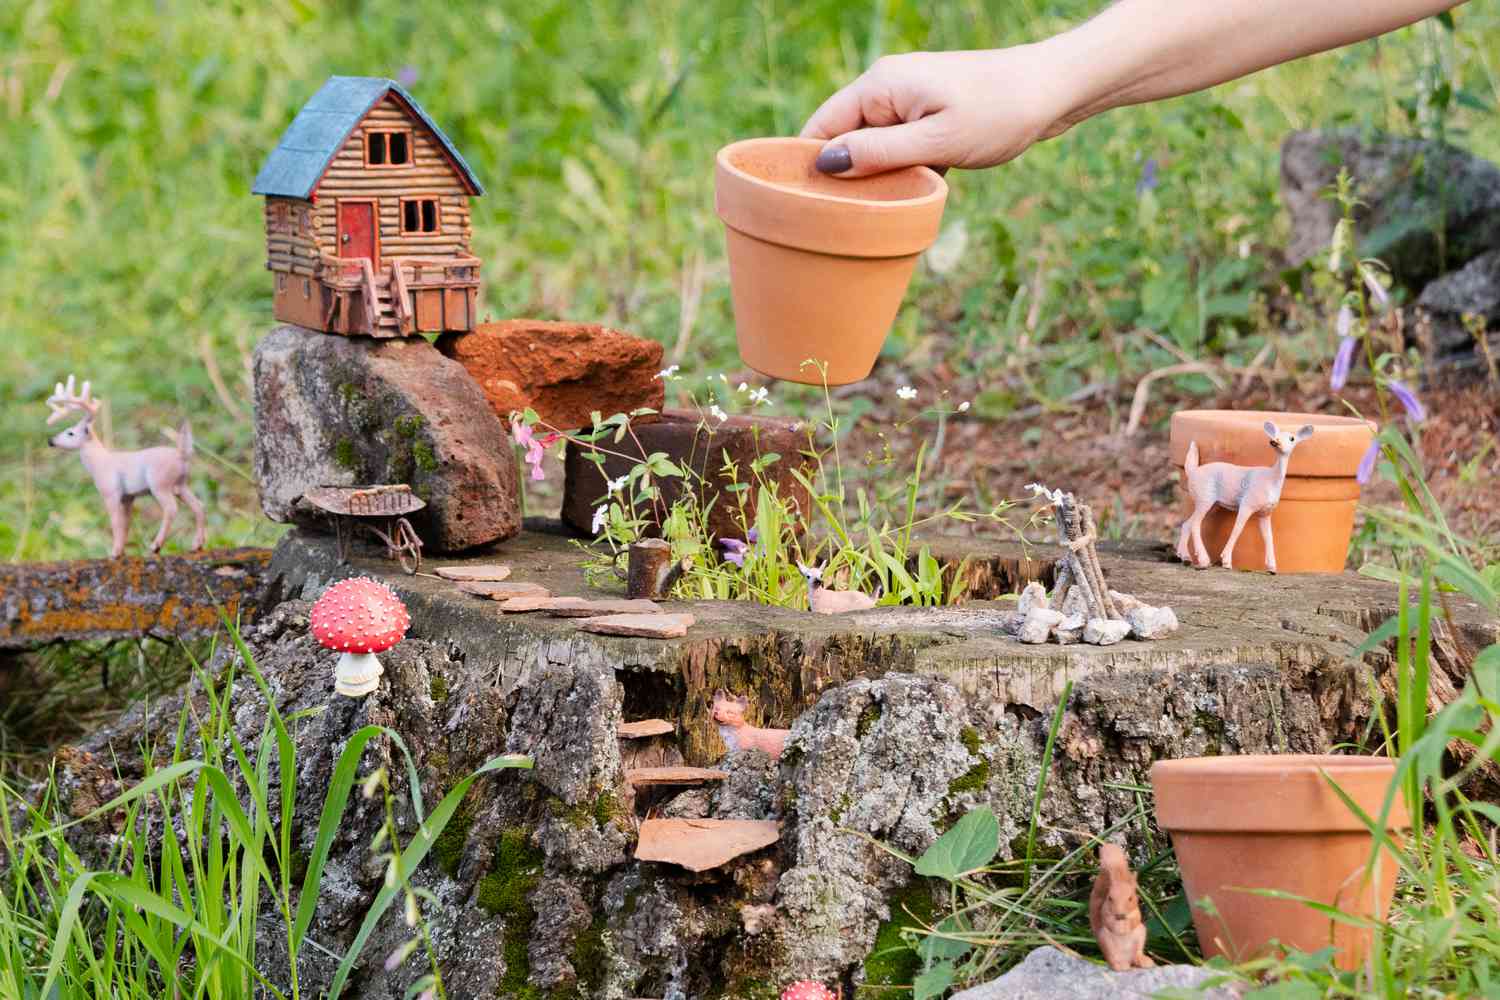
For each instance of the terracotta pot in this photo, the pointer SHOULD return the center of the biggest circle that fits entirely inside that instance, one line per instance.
(1314, 520)
(818, 265)
(1272, 822)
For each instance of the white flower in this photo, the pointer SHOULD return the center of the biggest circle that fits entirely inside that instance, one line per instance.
(743, 388)
(717, 413)
(963, 407)
(601, 517)
(1052, 496)
(906, 392)
(616, 485)
(667, 373)
(759, 396)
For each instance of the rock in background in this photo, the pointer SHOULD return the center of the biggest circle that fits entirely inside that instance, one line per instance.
(686, 439)
(1430, 207)
(563, 371)
(1472, 289)
(344, 411)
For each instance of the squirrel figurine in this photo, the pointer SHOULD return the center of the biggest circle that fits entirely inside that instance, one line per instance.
(737, 734)
(1115, 913)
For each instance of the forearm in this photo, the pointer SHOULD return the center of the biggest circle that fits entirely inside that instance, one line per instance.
(1144, 50)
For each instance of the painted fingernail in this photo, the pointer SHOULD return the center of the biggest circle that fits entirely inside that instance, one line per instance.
(834, 160)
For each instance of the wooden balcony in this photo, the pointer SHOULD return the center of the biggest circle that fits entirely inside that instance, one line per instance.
(404, 296)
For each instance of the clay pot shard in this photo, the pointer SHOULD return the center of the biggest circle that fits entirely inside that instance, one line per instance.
(1273, 822)
(818, 265)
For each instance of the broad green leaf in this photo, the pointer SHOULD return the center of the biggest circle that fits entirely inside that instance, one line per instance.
(970, 844)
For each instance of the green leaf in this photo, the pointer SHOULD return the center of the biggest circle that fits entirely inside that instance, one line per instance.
(934, 982)
(969, 845)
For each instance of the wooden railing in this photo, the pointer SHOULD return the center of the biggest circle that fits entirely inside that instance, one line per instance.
(400, 299)
(372, 297)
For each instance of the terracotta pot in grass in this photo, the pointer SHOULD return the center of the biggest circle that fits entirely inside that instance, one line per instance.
(818, 265)
(1314, 520)
(1273, 822)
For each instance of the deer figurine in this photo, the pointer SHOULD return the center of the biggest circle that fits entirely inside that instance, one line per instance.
(1243, 489)
(823, 601)
(737, 734)
(121, 476)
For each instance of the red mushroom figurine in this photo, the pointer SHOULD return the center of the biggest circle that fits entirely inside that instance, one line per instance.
(806, 989)
(359, 618)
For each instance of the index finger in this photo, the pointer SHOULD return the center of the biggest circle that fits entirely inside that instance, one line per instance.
(839, 114)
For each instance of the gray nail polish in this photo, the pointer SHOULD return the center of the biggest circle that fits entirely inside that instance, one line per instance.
(834, 160)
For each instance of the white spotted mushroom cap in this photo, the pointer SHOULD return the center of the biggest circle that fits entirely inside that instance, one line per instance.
(359, 616)
(806, 989)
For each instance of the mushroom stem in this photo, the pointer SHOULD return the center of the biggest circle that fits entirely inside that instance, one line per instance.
(356, 674)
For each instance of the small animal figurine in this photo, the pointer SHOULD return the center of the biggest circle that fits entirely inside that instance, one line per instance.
(1115, 913)
(121, 476)
(823, 601)
(737, 734)
(1244, 489)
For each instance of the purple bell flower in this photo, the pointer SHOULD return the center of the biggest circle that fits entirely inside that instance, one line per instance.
(1367, 464)
(734, 551)
(1409, 401)
(1343, 360)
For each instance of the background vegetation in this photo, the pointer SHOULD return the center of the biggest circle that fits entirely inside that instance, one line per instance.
(131, 250)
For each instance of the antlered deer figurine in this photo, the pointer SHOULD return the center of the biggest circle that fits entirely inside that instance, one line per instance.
(1245, 490)
(121, 476)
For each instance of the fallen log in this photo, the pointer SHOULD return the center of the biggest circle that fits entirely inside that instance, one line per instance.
(164, 597)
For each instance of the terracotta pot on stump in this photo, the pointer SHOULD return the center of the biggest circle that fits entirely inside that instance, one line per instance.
(818, 265)
(1314, 520)
(1272, 822)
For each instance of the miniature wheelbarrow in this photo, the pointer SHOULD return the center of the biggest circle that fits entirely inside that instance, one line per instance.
(380, 510)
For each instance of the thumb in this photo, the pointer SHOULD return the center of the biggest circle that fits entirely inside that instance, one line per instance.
(869, 151)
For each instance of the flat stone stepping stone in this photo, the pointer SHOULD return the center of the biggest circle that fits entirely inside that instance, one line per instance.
(505, 591)
(643, 728)
(474, 574)
(525, 602)
(662, 626)
(701, 844)
(673, 775)
(582, 607)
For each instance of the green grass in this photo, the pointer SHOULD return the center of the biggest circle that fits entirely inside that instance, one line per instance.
(132, 251)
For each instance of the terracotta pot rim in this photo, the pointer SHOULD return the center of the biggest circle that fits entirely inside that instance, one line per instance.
(938, 193)
(1273, 793)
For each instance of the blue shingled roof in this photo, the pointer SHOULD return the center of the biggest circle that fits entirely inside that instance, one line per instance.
(320, 128)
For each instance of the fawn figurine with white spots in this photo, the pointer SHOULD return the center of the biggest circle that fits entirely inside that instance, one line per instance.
(1246, 490)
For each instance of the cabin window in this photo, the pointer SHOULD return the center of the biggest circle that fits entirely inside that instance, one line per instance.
(420, 216)
(388, 148)
(280, 282)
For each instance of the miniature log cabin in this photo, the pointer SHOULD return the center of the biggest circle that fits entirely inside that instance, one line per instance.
(367, 216)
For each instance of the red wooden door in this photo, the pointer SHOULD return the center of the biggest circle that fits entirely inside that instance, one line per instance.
(357, 236)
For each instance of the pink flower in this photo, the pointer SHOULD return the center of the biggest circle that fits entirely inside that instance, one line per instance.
(535, 450)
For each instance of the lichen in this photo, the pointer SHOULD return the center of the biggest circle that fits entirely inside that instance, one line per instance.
(437, 686)
(892, 965)
(408, 426)
(344, 455)
(505, 892)
(976, 778)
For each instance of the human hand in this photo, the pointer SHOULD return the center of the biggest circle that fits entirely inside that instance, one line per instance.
(942, 109)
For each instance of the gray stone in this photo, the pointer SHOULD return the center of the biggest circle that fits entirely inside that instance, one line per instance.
(1075, 603)
(1038, 625)
(1069, 630)
(1105, 631)
(1050, 974)
(347, 411)
(1034, 595)
(1430, 207)
(1147, 622)
(1473, 288)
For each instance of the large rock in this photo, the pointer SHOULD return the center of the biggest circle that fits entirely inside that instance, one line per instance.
(563, 371)
(698, 444)
(1430, 207)
(1472, 289)
(1049, 974)
(344, 411)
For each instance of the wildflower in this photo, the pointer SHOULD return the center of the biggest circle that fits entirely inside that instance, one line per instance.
(1377, 290)
(407, 75)
(396, 958)
(743, 387)
(963, 407)
(1343, 360)
(718, 413)
(759, 396)
(1040, 491)
(1338, 245)
(668, 372)
(601, 518)
(372, 783)
(906, 392)
(1148, 179)
(1367, 464)
(1345, 322)
(1409, 401)
(535, 450)
(734, 551)
(413, 914)
(616, 485)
